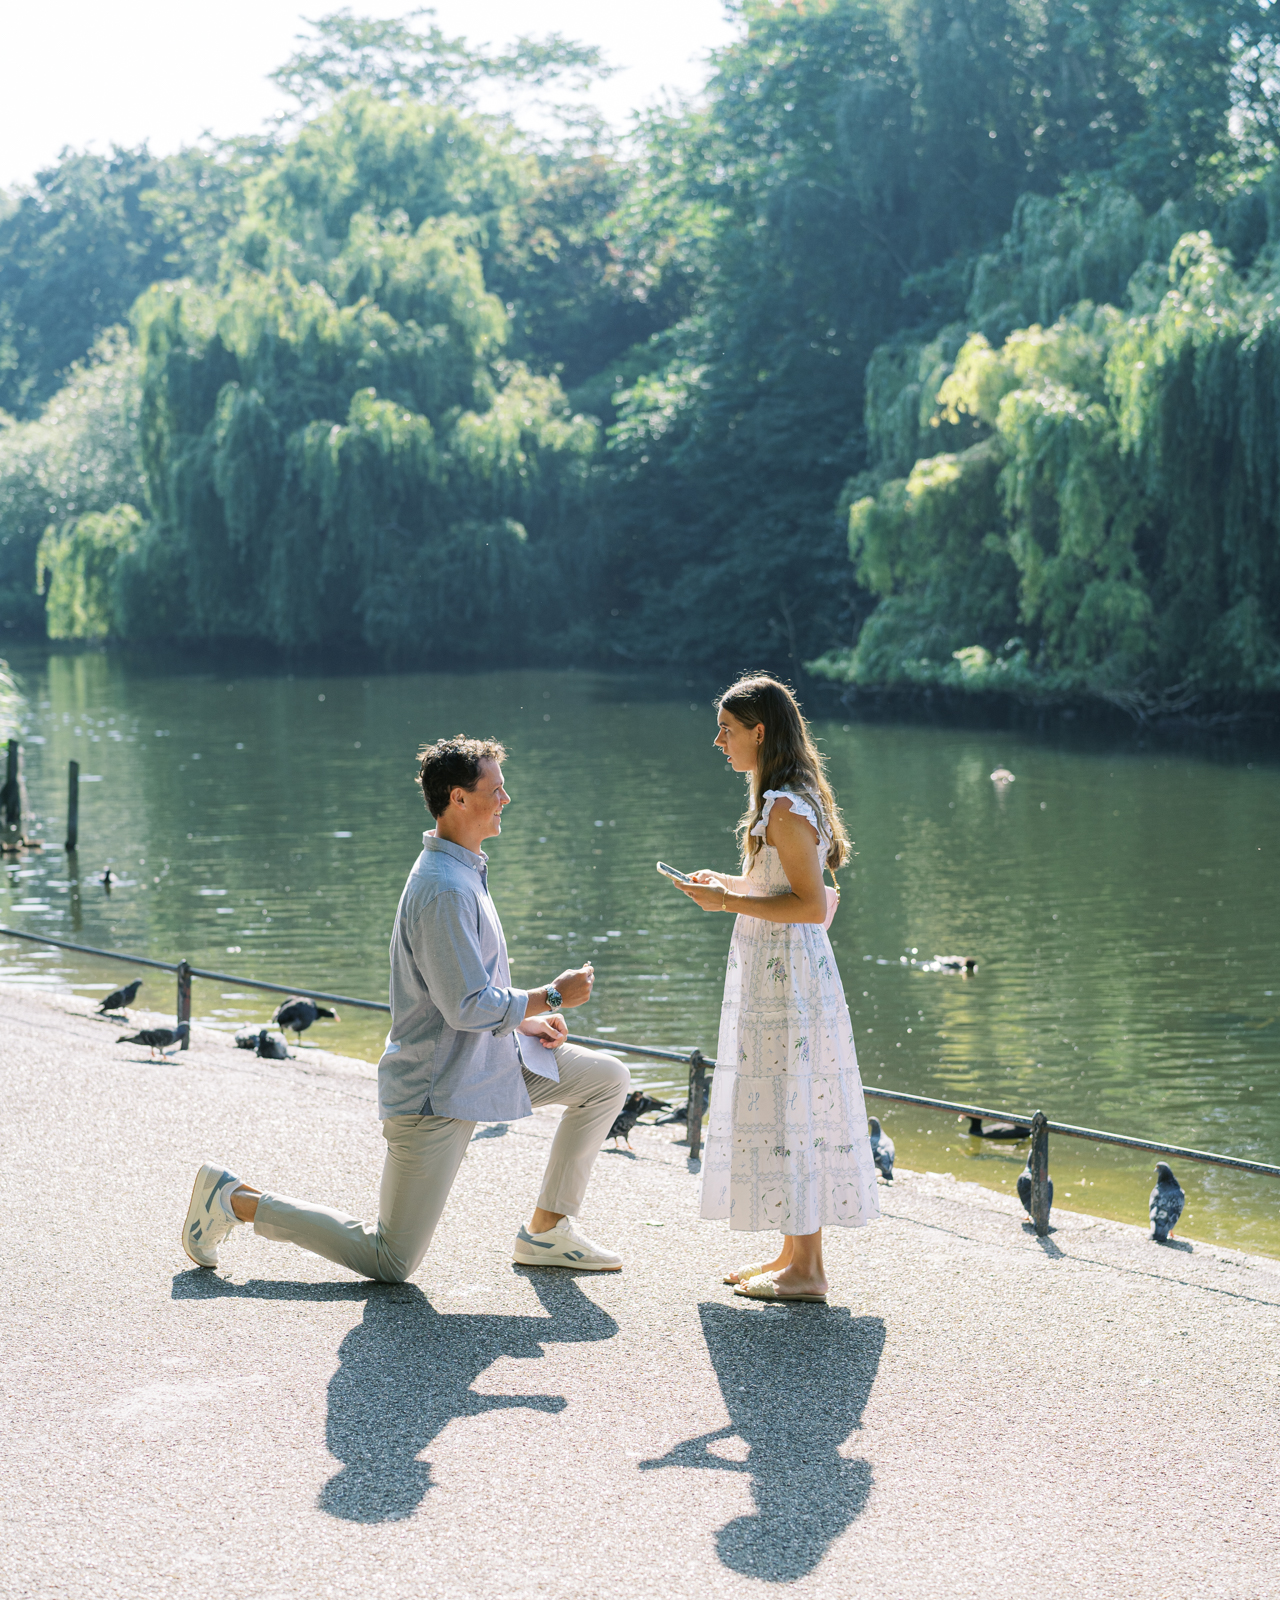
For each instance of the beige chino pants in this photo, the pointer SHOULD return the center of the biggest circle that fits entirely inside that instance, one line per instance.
(423, 1157)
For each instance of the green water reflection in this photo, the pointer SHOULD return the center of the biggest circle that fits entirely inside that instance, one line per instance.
(1121, 899)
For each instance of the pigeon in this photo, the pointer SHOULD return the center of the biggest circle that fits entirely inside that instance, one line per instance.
(1024, 1187)
(882, 1150)
(680, 1114)
(118, 999)
(156, 1038)
(995, 1130)
(633, 1108)
(1167, 1201)
(263, 1043)
(297, 1015)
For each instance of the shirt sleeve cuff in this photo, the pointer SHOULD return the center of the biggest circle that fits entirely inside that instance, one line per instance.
(516, 1008)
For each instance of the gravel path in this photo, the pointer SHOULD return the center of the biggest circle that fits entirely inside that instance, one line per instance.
(977, 1410)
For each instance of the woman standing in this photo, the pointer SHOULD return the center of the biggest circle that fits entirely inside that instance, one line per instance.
(787, 1145)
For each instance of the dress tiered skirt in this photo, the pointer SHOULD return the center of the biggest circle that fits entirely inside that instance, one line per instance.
(787, 1144)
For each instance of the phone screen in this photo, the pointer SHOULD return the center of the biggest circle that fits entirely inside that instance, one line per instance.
(671, 872)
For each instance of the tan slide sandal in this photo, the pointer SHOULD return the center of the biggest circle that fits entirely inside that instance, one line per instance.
(764, 1288)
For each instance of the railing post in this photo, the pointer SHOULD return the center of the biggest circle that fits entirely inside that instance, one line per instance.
(697, 1102)
(13, 796)
(73, 806)
(184, 1000)
(1038, 1164)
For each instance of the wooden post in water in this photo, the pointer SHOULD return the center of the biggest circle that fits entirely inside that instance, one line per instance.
(697, 1102)
(13, 797)
(73, 806)
(1038, 1164)
(184, 1000)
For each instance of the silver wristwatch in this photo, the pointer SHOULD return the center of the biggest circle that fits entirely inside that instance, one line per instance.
(554, 998)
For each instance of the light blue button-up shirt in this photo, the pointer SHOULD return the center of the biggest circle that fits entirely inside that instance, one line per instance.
(453, 1050)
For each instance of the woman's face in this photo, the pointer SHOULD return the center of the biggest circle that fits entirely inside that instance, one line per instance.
(740, 744)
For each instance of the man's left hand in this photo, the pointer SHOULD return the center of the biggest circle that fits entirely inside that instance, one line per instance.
(549, 1031)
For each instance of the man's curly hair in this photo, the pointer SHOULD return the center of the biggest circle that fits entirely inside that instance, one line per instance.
(451, 764)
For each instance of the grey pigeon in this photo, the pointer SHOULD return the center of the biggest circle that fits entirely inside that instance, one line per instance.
(680, 1114)
(118, 999)
(297, 1015)
(1167, 1201)
(882, 1150)
(247, 1038)
(1024, 1187)
(156, 1038)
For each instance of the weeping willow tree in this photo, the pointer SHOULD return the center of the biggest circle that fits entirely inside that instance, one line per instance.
(79, 455)
(336, 450)
(1113, 527)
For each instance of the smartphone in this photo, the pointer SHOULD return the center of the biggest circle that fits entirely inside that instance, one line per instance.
(671, 872)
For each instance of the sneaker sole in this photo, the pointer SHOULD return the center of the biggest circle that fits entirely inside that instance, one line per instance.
(568, 1266)
(207, 1166)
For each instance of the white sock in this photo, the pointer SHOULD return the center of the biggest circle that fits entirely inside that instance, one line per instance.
(224, 1198)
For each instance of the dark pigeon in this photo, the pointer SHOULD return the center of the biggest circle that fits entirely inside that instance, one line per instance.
(1167, 1201)
(680, 1114)
(882, 1150)
(985, 1128)
(297, 1015)
(262, 1042)
(1024, 1186)
(160, 1039)
(633, 1108)
(118, 999)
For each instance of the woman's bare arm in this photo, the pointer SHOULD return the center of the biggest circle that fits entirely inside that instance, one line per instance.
(797, 844)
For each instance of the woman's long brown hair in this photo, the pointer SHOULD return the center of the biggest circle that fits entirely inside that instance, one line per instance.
(788, 758)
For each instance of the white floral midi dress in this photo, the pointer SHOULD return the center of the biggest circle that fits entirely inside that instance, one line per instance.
(787, 1144)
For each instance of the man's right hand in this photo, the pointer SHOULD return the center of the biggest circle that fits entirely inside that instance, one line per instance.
(575, 986)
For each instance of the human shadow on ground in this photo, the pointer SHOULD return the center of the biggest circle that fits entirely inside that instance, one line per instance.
(795, 1380)
(406, 1372)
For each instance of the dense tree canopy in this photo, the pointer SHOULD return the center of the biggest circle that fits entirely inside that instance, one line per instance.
(934, 341)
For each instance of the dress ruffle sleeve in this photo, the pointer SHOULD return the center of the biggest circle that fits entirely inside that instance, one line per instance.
(801, 804)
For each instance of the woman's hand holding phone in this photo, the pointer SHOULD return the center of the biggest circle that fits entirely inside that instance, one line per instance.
(705, 890)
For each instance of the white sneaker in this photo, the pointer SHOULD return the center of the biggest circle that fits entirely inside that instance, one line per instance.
(563, 1246)
(209, 1216)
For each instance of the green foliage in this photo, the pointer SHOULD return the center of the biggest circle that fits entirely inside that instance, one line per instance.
(854, 163)
(897, 289)
(79, 455)
(336, 450)
(75, 253)
(1136, 467)
(82, 561)
(395, 61)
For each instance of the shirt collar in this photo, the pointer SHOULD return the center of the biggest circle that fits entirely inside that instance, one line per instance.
(469, 858)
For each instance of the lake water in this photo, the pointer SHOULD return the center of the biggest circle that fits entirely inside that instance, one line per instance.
(1120, 896)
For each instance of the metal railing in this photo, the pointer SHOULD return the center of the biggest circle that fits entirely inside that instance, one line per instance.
(1038, 1125)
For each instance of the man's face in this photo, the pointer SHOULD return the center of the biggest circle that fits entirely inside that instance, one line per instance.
(488, 798)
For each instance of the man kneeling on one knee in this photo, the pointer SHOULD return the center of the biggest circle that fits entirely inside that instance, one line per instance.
(464, 1047)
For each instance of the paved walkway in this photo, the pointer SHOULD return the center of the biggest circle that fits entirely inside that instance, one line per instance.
(977, 1412)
